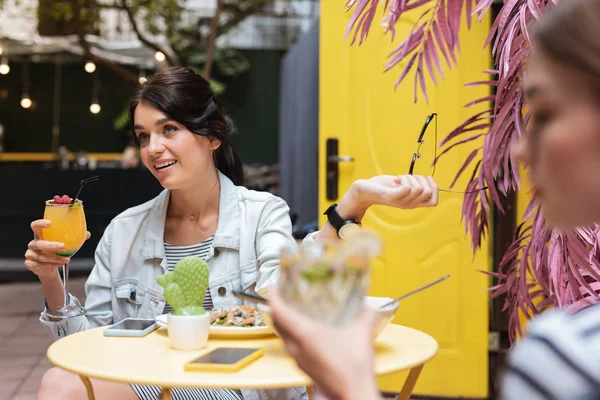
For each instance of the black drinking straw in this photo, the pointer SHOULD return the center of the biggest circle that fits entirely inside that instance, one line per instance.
(83, 182)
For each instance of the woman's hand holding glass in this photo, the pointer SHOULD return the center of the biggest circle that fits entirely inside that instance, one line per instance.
(340, 364)
(41, 257)
(65, 232)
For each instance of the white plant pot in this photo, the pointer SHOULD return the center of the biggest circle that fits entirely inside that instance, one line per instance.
(188, 332)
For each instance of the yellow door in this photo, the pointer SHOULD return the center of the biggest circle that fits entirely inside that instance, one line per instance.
(379, 128)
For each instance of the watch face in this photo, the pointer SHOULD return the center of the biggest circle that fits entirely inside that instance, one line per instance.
(348, 230)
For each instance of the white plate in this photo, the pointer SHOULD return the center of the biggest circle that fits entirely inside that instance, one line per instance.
(386, 315)
(228, 331)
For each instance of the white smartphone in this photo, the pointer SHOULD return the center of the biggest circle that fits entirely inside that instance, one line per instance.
(134, 327)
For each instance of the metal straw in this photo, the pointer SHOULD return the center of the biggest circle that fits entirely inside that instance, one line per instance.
(83, 182)
(397, 299)
(255, 298)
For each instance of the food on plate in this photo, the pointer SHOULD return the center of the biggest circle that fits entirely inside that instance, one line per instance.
(242, 316)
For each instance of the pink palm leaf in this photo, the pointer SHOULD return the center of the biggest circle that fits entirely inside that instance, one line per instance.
(436, 30)
(541, 268)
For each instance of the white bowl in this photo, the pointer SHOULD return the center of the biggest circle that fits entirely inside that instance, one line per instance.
(386, 315)
(188, 332)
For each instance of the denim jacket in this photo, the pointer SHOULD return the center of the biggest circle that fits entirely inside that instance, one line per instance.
(253, 227)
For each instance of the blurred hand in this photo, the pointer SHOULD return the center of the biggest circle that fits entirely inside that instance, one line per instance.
(340, 364)
(403, 191)
(39, 257)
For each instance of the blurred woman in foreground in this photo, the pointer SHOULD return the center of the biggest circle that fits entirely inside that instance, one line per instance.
(560, 356)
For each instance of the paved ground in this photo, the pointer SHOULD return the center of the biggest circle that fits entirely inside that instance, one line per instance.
(23, 340)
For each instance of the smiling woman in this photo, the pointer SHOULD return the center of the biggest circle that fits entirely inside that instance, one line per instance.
(165, 110)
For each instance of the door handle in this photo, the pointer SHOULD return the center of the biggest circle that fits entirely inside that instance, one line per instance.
(340, 159)
(332, 170)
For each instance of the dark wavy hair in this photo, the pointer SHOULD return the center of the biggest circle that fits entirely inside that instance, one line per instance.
(186, 97)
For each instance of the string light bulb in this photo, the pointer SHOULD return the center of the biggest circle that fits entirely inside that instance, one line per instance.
(89, 67)
(4, 68)
(160, 56)
(26, 102)
(142, 77)
(95, 108)
(25, 99)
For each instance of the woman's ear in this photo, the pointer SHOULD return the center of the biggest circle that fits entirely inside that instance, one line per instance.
(214, 143)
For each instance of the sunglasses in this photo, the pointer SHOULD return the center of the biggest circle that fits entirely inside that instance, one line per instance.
(417, 154)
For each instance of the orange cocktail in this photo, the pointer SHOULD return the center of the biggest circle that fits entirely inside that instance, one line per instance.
(68, 226)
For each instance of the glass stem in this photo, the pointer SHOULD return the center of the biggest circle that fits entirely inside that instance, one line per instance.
(65, 284)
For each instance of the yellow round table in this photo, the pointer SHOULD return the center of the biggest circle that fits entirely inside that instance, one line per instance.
(150, 360)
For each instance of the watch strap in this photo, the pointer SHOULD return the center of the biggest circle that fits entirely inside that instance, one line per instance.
(336, 220)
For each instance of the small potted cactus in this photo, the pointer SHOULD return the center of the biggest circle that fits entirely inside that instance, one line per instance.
(184, 289)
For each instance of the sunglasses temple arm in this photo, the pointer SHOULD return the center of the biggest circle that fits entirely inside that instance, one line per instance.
(467, 192)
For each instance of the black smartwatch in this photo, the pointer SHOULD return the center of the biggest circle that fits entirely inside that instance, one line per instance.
(342, 226)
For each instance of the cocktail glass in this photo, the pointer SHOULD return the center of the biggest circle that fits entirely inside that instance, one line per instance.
(69, 227)
(329, 280)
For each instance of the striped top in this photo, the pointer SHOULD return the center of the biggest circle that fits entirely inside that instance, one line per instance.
(145, 392)
(558, 359)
